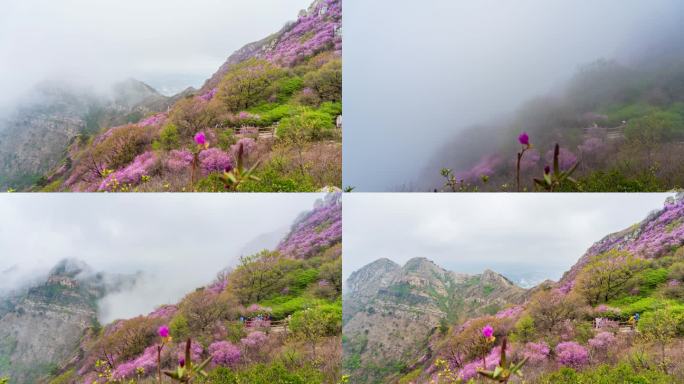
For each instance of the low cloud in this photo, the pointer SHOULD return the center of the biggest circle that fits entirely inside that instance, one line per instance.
(175, 242)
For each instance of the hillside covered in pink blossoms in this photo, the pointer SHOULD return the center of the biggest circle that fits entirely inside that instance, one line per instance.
(623, 298)
(269, 119)
(316, 230)
(247, 324)
(605, 119)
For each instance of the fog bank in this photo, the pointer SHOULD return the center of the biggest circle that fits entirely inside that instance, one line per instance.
(170, 44)
(417, 73)
(178, 242)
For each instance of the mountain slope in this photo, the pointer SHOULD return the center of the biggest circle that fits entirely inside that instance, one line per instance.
(273, 107)
(274, 317)
(44, 326)
(33, 138)
(585, 327)
(390, 311)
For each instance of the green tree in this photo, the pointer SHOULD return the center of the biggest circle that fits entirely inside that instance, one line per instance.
(550, 309)
(660, 327)
(312, 324)
(191, 115)
(248, 84)
(326, 81)
(259, 276)
(605, 276)
(168, 138)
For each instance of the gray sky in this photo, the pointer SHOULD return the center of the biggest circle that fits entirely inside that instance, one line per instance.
(179, 241)
(416, 72)
(168, 43)
(530, 237)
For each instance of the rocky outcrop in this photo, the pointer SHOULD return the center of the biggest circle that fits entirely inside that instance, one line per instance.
(390, 311)
(43, 327)
(33, 138)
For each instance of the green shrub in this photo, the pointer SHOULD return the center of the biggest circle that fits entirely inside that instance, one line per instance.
(286, 87)
(524, 330)
(248, 84)
(309, 125)
(410, 377)
(303, 278)
(169, 138)
(275, 176)
(326, 81)
(617, 180)
(226, 138)
(236, 331)
(622, 373)
(276, 113)
(265, 374)
(651, 278)
(64, 378)
(333, 109)
(179, 327)
(282, 309)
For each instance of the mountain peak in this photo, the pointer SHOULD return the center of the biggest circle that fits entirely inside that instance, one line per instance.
(70, 267)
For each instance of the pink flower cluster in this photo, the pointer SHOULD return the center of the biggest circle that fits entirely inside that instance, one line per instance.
(163, 312)
(178, 160)
(566, 159)
(592, 145)
(529, 161)
(510, 312)
(469, 370)
(218, 287)
(254, 340)
(248, 146)
(485, 167)
(659, 233)
(602, 341)
(208, 95)
(317, 30)
(317, 229)
(132, 173)
(195, 351)
(662, 233)
(153, 120)
(147, 362)
(571, 354)
(215, 160)
(224, 353)
(247, 116)
(536, 352)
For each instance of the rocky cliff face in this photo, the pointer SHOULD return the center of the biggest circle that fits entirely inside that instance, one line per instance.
(390, 311)
(43, 326)
(34, 136)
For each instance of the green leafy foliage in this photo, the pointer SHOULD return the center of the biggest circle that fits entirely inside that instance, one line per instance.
(169, 138)
(307, 125)
(622, 373)
(249, 84)
(266, 374)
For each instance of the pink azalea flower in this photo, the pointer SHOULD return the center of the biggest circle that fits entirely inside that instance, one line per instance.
(200, 138)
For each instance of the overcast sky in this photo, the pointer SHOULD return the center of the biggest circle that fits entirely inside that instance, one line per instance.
(169, 43)
(526, 237)
(179, 241)
(417, 72)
